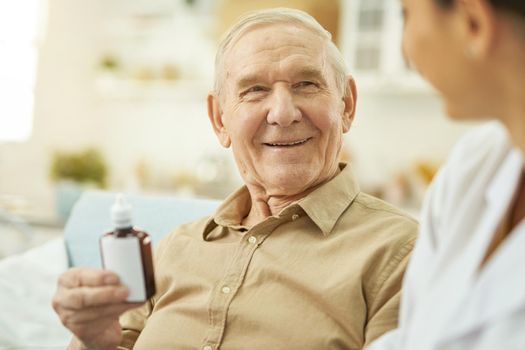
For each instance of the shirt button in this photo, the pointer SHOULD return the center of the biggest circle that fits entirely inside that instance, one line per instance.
(295, 217)
(226, 290)
(252, 239)
(207, 347)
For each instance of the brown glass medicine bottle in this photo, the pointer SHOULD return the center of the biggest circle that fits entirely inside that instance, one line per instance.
(127, 251)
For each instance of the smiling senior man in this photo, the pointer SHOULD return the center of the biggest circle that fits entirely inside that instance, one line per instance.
(298, 258)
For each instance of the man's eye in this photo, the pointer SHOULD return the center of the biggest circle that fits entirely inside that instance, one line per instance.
(305, 84)
(256, 88)
(255, 91)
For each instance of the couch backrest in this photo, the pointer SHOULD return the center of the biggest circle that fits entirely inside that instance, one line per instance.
(157, 215)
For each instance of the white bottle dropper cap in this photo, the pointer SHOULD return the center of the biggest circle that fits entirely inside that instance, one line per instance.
(121, 213)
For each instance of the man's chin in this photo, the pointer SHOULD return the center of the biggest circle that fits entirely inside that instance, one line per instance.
(292, 179)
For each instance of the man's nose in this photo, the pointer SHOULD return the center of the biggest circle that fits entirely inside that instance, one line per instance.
(283, 110)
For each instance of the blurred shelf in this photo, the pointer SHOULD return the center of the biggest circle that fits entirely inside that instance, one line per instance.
(154, 89)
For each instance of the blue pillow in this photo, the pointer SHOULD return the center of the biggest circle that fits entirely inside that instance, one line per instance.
(157, 215)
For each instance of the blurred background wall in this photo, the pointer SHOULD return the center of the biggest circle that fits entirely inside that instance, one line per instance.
(128, 80)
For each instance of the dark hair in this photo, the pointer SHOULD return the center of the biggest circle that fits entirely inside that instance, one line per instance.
(515, 6)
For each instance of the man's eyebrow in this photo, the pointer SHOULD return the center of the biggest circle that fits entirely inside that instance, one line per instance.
(313, 73)
(307, 72)
(248, 80)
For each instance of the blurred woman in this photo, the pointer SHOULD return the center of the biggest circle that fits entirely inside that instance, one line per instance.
(465, 285)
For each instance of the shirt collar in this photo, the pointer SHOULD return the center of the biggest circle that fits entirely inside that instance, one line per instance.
(231, 212)
(506, 178)
(323, 206)
(509, 167)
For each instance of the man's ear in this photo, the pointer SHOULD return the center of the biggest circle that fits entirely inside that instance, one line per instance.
(479, 25)
(349, 100)
(216, 119)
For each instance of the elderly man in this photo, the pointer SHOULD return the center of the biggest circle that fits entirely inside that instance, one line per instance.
(298, 258)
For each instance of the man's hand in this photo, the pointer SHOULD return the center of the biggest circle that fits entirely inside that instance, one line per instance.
(89, 303)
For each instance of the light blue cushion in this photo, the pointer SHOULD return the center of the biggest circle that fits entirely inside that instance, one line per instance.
(157, 215)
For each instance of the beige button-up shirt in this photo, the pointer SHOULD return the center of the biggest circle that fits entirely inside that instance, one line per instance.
(323, 274)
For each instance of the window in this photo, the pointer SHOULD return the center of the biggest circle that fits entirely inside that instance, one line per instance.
(369, 31)
(20, 27)
(371, 19)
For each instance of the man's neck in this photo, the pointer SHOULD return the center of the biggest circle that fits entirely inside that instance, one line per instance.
(266, 204)
(266, 207)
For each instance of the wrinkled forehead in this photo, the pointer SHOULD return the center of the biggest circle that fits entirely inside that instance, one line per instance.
(274, 44)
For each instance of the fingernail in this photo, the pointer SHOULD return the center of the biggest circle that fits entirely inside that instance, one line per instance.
(121, 292)
(111, 279)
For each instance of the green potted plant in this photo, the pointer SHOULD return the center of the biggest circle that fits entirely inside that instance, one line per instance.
(73, 172)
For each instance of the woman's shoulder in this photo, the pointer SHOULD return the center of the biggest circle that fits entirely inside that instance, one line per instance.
(481, 142)
(480, 150)
(464, 177)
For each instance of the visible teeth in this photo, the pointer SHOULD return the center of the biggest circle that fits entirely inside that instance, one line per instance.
(288, 144)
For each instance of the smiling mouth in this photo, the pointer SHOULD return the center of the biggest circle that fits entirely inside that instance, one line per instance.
(287, 144)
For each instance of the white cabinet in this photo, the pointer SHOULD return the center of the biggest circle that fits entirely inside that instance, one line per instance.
(371, 34)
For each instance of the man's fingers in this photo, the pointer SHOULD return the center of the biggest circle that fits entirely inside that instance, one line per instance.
(89, 333)
(86, 297)
(96, 314)
(89, 303)
(87, 277)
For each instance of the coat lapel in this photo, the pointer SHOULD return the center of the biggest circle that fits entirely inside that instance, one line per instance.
(492, 291)
(499, 290)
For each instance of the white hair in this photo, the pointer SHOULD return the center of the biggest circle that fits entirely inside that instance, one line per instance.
(280, 16)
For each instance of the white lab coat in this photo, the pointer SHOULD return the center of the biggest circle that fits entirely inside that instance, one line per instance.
(448, 302)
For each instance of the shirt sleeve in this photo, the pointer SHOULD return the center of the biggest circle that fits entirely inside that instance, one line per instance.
(132, 323)
(420, 261)
(383, 307)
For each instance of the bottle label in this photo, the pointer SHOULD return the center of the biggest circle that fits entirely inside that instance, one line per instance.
(122, 256)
